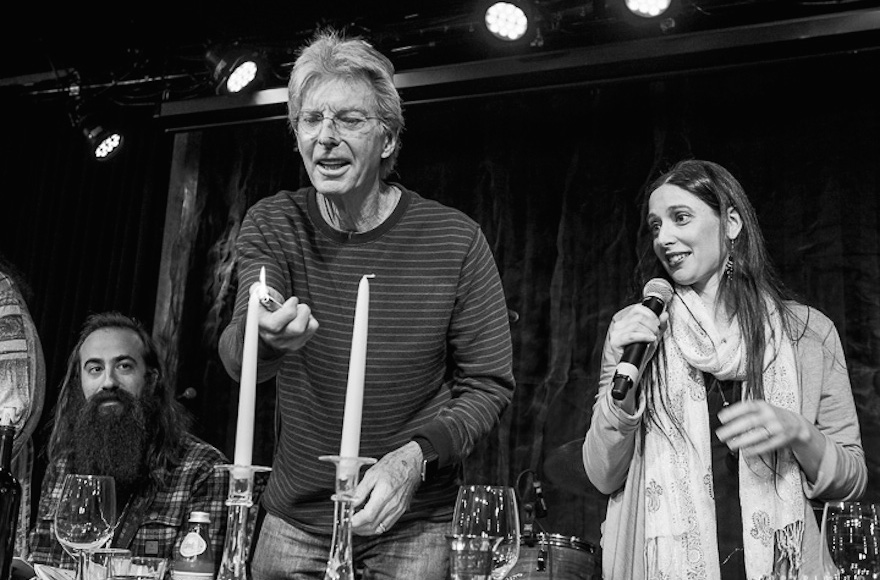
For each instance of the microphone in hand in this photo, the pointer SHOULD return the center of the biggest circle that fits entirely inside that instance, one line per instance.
(655, 296)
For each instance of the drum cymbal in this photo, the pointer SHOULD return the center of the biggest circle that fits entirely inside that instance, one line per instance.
(564, 467)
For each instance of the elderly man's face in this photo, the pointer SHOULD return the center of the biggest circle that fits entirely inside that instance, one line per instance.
(111, 359)
(341, 161)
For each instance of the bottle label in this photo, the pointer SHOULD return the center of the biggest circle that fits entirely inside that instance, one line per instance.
(192, 545)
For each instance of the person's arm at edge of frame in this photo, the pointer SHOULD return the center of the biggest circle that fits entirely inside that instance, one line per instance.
(24, 344)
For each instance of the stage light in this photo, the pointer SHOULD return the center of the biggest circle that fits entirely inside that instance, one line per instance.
(104, 143)
(236, 70)
(648, 8)
(101, 128)
(508, 22)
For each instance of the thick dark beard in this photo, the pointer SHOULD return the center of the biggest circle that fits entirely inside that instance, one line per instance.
(112, 443)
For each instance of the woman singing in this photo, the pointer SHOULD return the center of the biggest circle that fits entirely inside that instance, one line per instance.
(742, 418)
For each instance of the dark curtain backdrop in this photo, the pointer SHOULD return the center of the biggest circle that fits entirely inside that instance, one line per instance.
(87, 237)
(554, 178)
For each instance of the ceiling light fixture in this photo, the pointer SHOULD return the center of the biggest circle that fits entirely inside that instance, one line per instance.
(508, 22)
(236, 70)
(648, 8)
(104, 143)
(100, 126)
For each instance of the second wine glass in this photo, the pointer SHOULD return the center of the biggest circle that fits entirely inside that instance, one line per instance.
(86, 515)
(492, 511)
(851, 529)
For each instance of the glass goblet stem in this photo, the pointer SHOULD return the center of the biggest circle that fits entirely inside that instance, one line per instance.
(81, 556)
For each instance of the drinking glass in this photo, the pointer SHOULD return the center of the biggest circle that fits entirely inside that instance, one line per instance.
(851, 530)
(490, 511)
(86, 516)
(470, 557)
(100, 561)
(138, 568)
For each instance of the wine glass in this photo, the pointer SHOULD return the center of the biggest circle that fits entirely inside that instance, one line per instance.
(86, 515)
(490, 511)
(851, 530)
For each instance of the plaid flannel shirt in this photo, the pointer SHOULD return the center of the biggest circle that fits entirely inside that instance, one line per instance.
(154, 521)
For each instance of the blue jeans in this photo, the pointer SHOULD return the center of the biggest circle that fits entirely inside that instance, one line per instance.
(406, 551)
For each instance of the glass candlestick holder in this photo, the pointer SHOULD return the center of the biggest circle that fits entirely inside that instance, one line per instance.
(340, 564)
(236, 547)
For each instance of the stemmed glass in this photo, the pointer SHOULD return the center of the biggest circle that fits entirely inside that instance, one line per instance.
(490, 511)
(86, 515)
(853, 536)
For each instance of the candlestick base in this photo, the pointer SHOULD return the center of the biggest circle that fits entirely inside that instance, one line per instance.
(340, 564)
(237, 546)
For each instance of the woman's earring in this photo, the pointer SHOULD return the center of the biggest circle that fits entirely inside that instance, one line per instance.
(728, 267)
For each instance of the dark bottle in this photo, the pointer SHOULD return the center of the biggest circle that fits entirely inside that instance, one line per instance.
(195, 558)
(10, 499)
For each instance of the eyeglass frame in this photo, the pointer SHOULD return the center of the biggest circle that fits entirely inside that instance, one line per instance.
(333, 118)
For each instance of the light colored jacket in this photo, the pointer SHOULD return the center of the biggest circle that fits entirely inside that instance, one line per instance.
(614, 462)
(22, 387)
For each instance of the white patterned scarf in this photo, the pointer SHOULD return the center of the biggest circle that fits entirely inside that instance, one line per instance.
(681, 537)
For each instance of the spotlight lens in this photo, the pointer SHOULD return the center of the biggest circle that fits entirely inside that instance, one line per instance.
(241, 76)
(108, 145)
(647, 8)
(506, 21)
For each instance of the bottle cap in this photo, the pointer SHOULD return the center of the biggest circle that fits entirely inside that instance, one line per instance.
(200, 517)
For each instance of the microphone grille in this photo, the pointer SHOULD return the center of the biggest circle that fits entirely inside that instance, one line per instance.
(658, 287)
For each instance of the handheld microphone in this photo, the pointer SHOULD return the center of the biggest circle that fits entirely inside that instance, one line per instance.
(656, 294)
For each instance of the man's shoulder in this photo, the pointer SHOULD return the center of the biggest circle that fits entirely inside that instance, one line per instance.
(437, 215)
(9, 294)
(198, 450)
(285, 201)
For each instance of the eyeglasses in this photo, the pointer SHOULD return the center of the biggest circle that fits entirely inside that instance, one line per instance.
(346, 123)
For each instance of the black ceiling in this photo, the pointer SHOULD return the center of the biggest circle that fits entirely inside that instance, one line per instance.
(148, 51)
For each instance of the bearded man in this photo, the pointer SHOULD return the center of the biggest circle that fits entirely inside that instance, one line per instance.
(116, 416)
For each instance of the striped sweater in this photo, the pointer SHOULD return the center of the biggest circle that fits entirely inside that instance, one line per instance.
(439, 361)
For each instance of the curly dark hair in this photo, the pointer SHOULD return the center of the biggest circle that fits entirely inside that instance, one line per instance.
(168, 420)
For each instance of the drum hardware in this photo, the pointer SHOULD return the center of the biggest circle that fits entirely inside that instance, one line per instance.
(557, 557)
(541, 561)
(540, 502)
(528, 531)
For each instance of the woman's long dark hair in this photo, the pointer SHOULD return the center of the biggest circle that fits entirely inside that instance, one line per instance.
(168, 420)
(753, 288)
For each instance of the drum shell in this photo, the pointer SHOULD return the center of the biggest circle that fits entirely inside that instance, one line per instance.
(556, 557)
